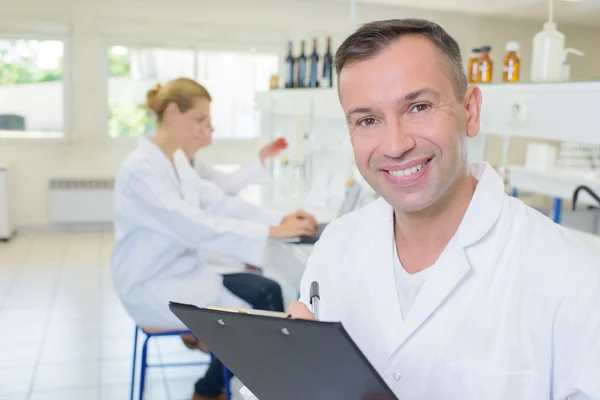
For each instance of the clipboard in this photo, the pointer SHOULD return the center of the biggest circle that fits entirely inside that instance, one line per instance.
(286, 359)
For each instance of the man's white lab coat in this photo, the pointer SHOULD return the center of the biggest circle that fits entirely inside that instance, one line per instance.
(166, 217)
(511, 312)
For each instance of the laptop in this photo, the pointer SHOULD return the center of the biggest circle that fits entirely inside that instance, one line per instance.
(348, 205)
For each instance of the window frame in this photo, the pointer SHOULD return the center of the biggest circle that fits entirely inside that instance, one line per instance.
(67, 75)
(136, 41)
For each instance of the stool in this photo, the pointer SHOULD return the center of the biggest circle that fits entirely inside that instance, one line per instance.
(150, 333)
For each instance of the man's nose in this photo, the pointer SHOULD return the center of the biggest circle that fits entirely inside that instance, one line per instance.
(397, 141)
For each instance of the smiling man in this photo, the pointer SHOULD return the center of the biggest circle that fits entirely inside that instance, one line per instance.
(451, 288)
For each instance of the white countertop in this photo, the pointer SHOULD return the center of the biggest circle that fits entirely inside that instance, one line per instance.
(556, 182)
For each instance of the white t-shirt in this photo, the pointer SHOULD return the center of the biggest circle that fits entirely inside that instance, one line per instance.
(408, 285)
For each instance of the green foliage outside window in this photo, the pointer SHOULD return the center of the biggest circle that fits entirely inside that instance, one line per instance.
(128, 119)
(30, 61)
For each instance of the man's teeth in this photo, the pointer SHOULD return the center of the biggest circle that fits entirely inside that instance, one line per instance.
(408, 171)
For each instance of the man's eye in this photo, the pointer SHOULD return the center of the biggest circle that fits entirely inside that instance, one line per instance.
(367, 121)
(419, 108)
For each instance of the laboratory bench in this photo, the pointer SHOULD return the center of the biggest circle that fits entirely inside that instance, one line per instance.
(286, 262)
(557, 183)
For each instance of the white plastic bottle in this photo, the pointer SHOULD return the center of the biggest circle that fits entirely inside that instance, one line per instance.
(548, 53)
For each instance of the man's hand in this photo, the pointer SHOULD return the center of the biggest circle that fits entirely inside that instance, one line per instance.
(298, 310)
(273, 149)
(294, 225)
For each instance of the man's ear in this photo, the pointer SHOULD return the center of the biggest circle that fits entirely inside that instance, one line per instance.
(472, 105)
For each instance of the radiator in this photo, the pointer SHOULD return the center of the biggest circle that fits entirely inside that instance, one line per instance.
(73, 201)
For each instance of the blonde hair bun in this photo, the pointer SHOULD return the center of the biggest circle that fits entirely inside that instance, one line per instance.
(151, 97)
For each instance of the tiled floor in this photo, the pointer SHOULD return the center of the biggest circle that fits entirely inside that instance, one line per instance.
(63, 333)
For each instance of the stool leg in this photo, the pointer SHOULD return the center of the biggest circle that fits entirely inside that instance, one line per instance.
(135, 338)
(144, 364)
(227, 379)
(556, 210)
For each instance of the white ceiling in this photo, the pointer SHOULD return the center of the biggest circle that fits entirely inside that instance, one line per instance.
(585, 12)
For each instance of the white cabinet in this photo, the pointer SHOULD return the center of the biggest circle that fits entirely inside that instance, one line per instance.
(563, 111)
(7, 203)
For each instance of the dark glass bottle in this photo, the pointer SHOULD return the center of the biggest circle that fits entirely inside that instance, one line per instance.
(301, 80)
(328, 66)
(314, 67)
(289, 67)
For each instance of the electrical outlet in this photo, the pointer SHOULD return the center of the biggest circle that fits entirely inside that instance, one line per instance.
(518, 113)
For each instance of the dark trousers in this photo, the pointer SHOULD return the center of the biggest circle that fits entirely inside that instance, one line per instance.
(262, 294)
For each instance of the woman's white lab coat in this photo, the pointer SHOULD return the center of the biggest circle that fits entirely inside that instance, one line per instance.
(232, 183)
(511, 311)
(165, 218)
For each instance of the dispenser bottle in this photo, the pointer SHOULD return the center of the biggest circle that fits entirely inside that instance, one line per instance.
(486, 65)
(566, 70)
(512, 63)
(473, 66)
(548, 49)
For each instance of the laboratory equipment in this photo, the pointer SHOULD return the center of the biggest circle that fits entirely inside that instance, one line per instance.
(512, 63)
(548, 58)
(486, 65)
(566, 69)
(473, 66)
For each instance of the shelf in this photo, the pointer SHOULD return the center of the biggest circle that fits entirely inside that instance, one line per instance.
(562, 111)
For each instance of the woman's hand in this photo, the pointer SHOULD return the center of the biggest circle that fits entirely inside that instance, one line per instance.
(273, 149)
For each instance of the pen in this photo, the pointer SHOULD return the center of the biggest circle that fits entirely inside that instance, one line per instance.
(314, 299)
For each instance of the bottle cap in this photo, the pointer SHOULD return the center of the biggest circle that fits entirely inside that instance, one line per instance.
(486, 48)
(512, 46)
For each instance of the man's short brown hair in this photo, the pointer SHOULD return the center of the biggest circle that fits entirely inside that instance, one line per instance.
(374, 37)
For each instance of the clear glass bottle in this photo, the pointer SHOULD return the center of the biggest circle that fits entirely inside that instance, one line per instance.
(512, 63)
(486, 65)
(473, 68)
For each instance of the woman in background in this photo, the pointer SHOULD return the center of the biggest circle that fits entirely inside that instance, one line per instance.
(166, 217)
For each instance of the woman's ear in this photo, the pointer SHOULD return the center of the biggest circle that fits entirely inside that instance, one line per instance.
(171, 109)
(472, 104)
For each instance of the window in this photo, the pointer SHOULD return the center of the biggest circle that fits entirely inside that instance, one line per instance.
(31, 88)
(232, 78)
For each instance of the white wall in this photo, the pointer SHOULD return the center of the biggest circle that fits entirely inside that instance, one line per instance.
(89, 26)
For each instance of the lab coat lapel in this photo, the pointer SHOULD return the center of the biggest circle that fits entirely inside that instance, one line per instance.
(378, 267)
(187, 177)
(159, 161)
(452, 267)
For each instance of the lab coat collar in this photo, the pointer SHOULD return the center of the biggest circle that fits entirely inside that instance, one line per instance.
(160, 162)
(154, 153)
(485, 207)
(453, 264)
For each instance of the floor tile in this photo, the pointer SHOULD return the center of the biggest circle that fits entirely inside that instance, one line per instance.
(30, 316)
(181, 389)
(155, 390)
(16, 381)
(21, 334)
(68, 394)
(67, 376)
(119, 372)
(80, 331)
(19, 355)
(117, 328)
(122, 349)
(68, 350)
(192, 372)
